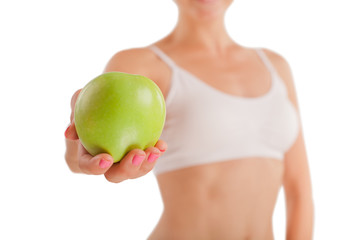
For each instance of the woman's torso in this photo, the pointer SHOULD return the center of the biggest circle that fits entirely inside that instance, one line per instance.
(231, 199)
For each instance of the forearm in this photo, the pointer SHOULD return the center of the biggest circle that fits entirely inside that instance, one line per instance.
(300, 218)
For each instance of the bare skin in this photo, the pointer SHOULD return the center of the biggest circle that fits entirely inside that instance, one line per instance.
(233, 199)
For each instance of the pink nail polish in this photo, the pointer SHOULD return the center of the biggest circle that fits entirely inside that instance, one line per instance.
(104, 163)
(137, 160)
(66, 131)
(152, 157)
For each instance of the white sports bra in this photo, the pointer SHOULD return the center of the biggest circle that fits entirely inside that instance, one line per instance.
(205, 125)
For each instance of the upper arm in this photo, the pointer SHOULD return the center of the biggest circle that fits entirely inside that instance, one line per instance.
(141, 61)
(130, 61)
(296, 170)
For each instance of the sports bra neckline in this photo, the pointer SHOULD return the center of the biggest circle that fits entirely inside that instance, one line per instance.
(205, 125)
(177, 68)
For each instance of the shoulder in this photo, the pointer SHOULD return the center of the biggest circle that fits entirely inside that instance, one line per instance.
(283, 69)
(134, 60)
(280, 63)
(142, 61)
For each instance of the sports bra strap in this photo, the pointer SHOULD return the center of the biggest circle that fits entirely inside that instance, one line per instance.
(163, 56)
(266, 61)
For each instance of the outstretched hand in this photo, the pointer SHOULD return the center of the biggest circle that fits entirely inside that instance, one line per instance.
(134, 164)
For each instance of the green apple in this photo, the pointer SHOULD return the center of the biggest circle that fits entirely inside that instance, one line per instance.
(117, 112)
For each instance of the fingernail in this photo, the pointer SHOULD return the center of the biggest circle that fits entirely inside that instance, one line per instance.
(137, 160)
(66, 131)
(162, 150)
(152, 157)
(104, 163)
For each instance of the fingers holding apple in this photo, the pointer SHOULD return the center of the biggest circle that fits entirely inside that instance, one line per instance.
(152, 154)
(94, 165)
(118, 119)
(128, 168)
(135, 164)
(117, 112)
(162, 146)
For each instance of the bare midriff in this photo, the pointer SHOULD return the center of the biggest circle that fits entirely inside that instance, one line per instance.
(226, 200)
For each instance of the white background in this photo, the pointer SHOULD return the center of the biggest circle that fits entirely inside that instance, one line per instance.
(48, 49)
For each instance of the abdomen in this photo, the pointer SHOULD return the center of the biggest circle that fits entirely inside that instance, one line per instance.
(234, 199)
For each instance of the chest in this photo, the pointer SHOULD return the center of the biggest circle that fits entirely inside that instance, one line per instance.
(266, 124)
(246, 77)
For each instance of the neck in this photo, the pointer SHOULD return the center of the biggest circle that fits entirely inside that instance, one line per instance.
(204, 34)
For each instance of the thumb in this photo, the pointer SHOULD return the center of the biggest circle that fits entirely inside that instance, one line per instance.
(70, 132)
